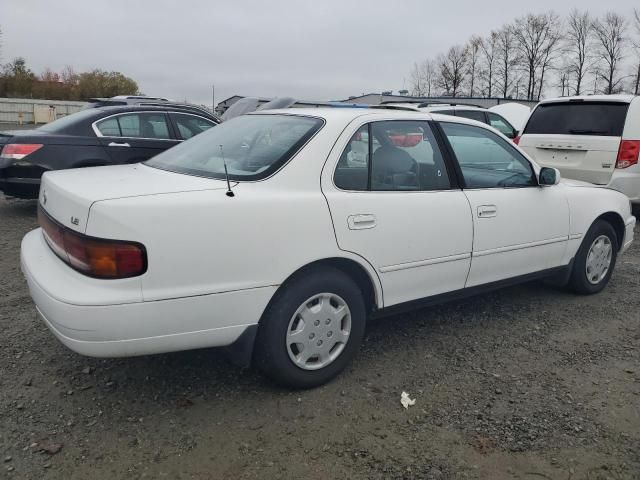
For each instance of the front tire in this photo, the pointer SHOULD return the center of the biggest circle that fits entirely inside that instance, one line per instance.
(595, 260)
(312, 329)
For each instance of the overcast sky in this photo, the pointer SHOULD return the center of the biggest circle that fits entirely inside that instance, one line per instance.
(309, 49)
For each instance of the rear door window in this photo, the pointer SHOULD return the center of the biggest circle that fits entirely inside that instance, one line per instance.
(135, 125)
(402, 155)
(578, 118)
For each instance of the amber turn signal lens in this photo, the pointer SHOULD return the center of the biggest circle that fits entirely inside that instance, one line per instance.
(95, 257)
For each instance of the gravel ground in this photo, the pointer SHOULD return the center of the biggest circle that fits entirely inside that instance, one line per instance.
(529, 382)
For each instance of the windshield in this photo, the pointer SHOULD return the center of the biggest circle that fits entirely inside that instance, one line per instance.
(578, 118)
(252, 146)
(61, 124)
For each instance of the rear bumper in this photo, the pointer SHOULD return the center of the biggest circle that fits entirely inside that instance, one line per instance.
(627, 183)
(126, 328)
(19, 181)
(20, 187)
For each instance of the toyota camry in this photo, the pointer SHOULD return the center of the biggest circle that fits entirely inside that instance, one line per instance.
(278, 234)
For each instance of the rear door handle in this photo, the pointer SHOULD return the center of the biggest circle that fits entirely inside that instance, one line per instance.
(361, 222)
(487, 211)
(116, 144)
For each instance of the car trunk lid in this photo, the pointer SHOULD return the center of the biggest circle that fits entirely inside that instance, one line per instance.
(67, 195)
(580, 138)
(581, 157)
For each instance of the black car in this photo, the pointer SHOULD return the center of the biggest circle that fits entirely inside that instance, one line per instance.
(96, 136)
(145, 100)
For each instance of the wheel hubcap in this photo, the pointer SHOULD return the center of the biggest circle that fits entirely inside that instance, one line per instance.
(318, 331)
(599, 259)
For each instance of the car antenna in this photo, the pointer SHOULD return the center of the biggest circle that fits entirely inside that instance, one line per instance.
(226, 174)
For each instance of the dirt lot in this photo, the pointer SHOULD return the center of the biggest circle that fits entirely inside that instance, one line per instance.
(528, 383)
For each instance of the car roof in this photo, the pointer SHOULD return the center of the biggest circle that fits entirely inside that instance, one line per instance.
(346, 115)
(591, 98)
(160, 108)
(435, 108)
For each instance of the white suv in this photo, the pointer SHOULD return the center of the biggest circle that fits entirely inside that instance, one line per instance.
(592, 138)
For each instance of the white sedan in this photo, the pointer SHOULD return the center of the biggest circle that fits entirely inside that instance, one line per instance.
(280, 233)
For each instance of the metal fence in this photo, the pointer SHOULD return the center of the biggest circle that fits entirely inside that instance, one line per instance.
(29, 111)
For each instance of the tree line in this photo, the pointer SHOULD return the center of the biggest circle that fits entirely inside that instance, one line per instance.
(539, 54)
(17, 80)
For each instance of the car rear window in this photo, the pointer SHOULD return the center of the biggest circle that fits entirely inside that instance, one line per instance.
(249, 147)
(578, 118)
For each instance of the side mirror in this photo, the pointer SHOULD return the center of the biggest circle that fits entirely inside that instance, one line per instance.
(548, 176)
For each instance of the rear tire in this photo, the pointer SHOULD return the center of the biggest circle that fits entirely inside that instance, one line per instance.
(312, 329)
(595, 260)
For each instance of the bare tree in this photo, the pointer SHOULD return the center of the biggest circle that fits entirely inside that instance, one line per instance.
(473, 48)
(610, 38)
(537, 38)
(636, 47)
(452, 69)
(550, 50)
(489, 49)
(564, 79)
(578, 39)
(422, 78)
(506, 54)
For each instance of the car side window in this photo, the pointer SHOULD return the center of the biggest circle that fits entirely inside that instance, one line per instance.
(352, 171)
(190, 125)
(402, 155)
(487, 160)
(472, 115)
(500, 124)
(109, 127)
(136, 125)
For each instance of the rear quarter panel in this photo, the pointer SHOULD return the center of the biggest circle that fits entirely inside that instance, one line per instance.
(204, 242)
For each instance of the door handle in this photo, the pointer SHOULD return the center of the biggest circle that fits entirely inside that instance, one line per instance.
(487, 211)
(116, 144)
(361, 222)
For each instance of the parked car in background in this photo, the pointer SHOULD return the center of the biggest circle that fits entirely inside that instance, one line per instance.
(93, 137)
(479, 114)
(591, 138)
(279, 233)
(472, 112)
(516, 114)
(145, 100)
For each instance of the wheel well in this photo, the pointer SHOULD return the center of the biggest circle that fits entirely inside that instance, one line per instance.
(617, 223)
(350, 268)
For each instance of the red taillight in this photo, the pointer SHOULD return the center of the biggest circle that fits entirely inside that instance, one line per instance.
(516, 139)
(96, 257)
(18, 151)
(628, 153)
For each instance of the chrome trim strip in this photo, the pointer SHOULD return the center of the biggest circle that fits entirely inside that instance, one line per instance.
(423, 263)
(575, 236)
(520, 246)
(100, 135)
